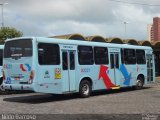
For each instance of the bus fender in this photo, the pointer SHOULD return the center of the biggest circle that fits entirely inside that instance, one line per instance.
(85, 78)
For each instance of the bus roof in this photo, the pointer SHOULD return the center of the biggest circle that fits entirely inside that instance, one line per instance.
(80, 42)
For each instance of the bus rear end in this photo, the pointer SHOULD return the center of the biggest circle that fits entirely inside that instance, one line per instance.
(17, 66)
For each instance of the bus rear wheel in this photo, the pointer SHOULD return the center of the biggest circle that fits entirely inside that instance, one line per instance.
(85, 89)
(139, 84)
(1, 81)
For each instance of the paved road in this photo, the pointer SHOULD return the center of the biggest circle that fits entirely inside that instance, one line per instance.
(125, 101)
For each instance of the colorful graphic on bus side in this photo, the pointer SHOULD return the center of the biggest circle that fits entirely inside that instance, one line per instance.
(25, 67)
(104, 76)
(125, 74)
(57, 73)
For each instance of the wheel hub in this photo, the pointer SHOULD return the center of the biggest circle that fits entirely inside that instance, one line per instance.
(85, 89)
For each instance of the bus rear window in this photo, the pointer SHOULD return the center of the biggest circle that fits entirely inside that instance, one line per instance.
(18, 48)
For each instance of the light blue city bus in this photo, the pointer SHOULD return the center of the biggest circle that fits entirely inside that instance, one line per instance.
(58, 66)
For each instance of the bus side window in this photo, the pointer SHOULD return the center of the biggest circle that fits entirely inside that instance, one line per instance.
(129, 56)
(112, 60)
(140, 55)
(101, 55)
(72, 60)
(48, 54)
(85, 55)
(40, 55)
(117, 60)
(1, 57)
(65, 60)
(122, 56)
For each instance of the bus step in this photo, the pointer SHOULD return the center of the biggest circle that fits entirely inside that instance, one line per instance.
(114, 88)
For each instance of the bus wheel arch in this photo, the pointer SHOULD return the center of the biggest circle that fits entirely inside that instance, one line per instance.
(85, 87)
(140, 81)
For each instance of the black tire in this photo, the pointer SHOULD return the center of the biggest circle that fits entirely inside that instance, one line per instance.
(140, 83)
(85, 89)
(1, 80)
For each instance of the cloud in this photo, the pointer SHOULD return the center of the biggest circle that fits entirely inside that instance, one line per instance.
(87, 17)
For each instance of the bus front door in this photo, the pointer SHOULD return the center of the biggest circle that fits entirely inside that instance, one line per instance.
(114, 68)
(68, 70)
(149, 68)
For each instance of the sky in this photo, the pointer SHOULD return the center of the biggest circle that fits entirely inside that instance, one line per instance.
(87, 17)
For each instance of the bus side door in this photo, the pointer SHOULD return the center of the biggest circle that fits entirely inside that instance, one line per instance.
(114, 68)
(68, 70)
(150, 64)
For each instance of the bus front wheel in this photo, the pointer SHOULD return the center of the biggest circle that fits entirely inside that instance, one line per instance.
(85, 89)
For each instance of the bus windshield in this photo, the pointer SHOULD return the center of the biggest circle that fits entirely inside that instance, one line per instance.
(18, 48)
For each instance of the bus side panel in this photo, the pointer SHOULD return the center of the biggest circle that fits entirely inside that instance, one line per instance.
(47, 82)
(129, 79)
(92, 72)
(142, 70)
(46, 79)
(99, 74)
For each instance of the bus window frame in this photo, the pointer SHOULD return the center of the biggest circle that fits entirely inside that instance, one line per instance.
(91, 54)
(144, 60)
(106, 56)
(127, 57)
(46, 63)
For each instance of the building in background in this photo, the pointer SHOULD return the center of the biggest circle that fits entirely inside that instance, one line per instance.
(149, 28)
(154, 30)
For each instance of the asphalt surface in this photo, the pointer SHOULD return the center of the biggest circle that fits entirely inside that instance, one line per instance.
(114, 104)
